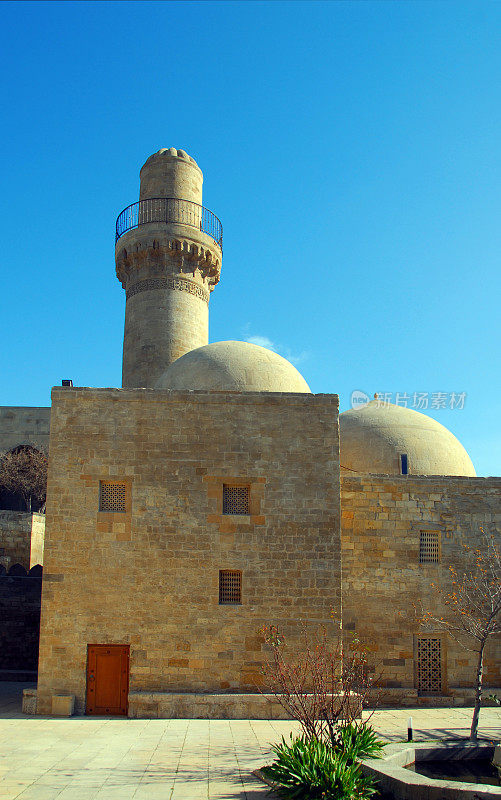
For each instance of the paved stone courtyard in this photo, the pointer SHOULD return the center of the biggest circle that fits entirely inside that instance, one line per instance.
(93, 758)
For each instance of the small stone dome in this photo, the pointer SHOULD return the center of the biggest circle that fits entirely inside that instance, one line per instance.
(171, 152)
(375, 436)
(233, 367)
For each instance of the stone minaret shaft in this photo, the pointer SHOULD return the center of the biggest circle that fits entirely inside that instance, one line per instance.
(168, 259)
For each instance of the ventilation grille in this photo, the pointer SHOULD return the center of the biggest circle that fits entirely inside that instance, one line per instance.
(112, 496)
(429, 550)
(429, 668)
(230, 586)
(235, 499)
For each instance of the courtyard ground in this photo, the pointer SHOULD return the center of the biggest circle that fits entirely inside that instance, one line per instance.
(93, 758)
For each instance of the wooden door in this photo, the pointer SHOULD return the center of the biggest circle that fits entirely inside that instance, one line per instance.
(107, 679)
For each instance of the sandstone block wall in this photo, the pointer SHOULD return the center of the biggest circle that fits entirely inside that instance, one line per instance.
(21, 538)
(148, 577)
(382, 518)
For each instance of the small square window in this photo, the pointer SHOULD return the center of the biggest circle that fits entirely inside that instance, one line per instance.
(230, 587)
(112, 496)
(429, 547)
(404, 464)
(235, 499)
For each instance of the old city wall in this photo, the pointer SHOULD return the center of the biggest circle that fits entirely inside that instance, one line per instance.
(383, 518)
(154, 569)
(24, 425)
(21, 538)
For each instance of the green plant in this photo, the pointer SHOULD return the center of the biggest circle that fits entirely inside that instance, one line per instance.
(357, 740)
(309, 769)
(322, 680)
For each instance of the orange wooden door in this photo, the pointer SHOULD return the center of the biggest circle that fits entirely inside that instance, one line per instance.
(107, 679)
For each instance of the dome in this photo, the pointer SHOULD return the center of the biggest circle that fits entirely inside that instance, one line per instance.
(375, 436)
(233, 367)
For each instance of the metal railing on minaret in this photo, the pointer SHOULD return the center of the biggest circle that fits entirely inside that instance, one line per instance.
(170, 209)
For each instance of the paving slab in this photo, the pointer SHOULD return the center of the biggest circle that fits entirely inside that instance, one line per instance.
(103, 758)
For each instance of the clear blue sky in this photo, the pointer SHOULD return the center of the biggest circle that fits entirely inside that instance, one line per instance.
(351, 150)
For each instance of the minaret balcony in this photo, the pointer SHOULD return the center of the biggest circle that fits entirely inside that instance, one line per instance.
(170, 210)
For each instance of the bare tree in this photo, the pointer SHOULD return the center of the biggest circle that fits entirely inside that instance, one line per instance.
(23, 471)
(473, 607)
(326, 682)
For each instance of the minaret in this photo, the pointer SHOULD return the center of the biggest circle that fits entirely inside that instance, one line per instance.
(168, 259)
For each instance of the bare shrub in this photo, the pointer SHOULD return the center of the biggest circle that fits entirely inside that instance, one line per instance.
(23, 471)
(324, 683)
(472, 605)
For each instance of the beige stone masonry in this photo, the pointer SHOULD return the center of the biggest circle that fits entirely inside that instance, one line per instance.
(24, 425)
(384, 582)
(151, 579)
(185, 705)
(21, 538)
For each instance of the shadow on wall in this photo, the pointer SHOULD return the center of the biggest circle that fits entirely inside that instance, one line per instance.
(20, 595)
(18, 571)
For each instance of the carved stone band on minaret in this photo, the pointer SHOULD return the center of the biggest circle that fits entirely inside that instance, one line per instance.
(170, 256)
(180, 284)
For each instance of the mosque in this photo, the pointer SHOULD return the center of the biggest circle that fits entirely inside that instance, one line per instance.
(214, 493)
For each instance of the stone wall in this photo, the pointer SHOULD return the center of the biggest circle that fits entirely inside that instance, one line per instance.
(154, 569)
(24, 425)
(382, 520)
(21, 538)
(19, 629)
(37, 539)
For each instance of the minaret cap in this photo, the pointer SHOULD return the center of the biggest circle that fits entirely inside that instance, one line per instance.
(171, 173)
(171, 152)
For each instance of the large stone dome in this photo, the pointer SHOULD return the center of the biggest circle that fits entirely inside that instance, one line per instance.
(375, 436)
(233, 367)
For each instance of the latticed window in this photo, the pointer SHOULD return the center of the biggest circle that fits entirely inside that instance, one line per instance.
(235, 499)
(112, 496)
(429, 665)
(429, 547)
(230, 586)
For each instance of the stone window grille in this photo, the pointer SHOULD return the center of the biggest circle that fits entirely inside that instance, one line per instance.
(429, 547)
(112, 496)
(236, 499)
(230, 587)
(429, 665)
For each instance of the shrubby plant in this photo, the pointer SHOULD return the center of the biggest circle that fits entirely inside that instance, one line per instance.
(357, 740)
(323, 687)
(23, 471)
(327, 680)
(306, 769)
